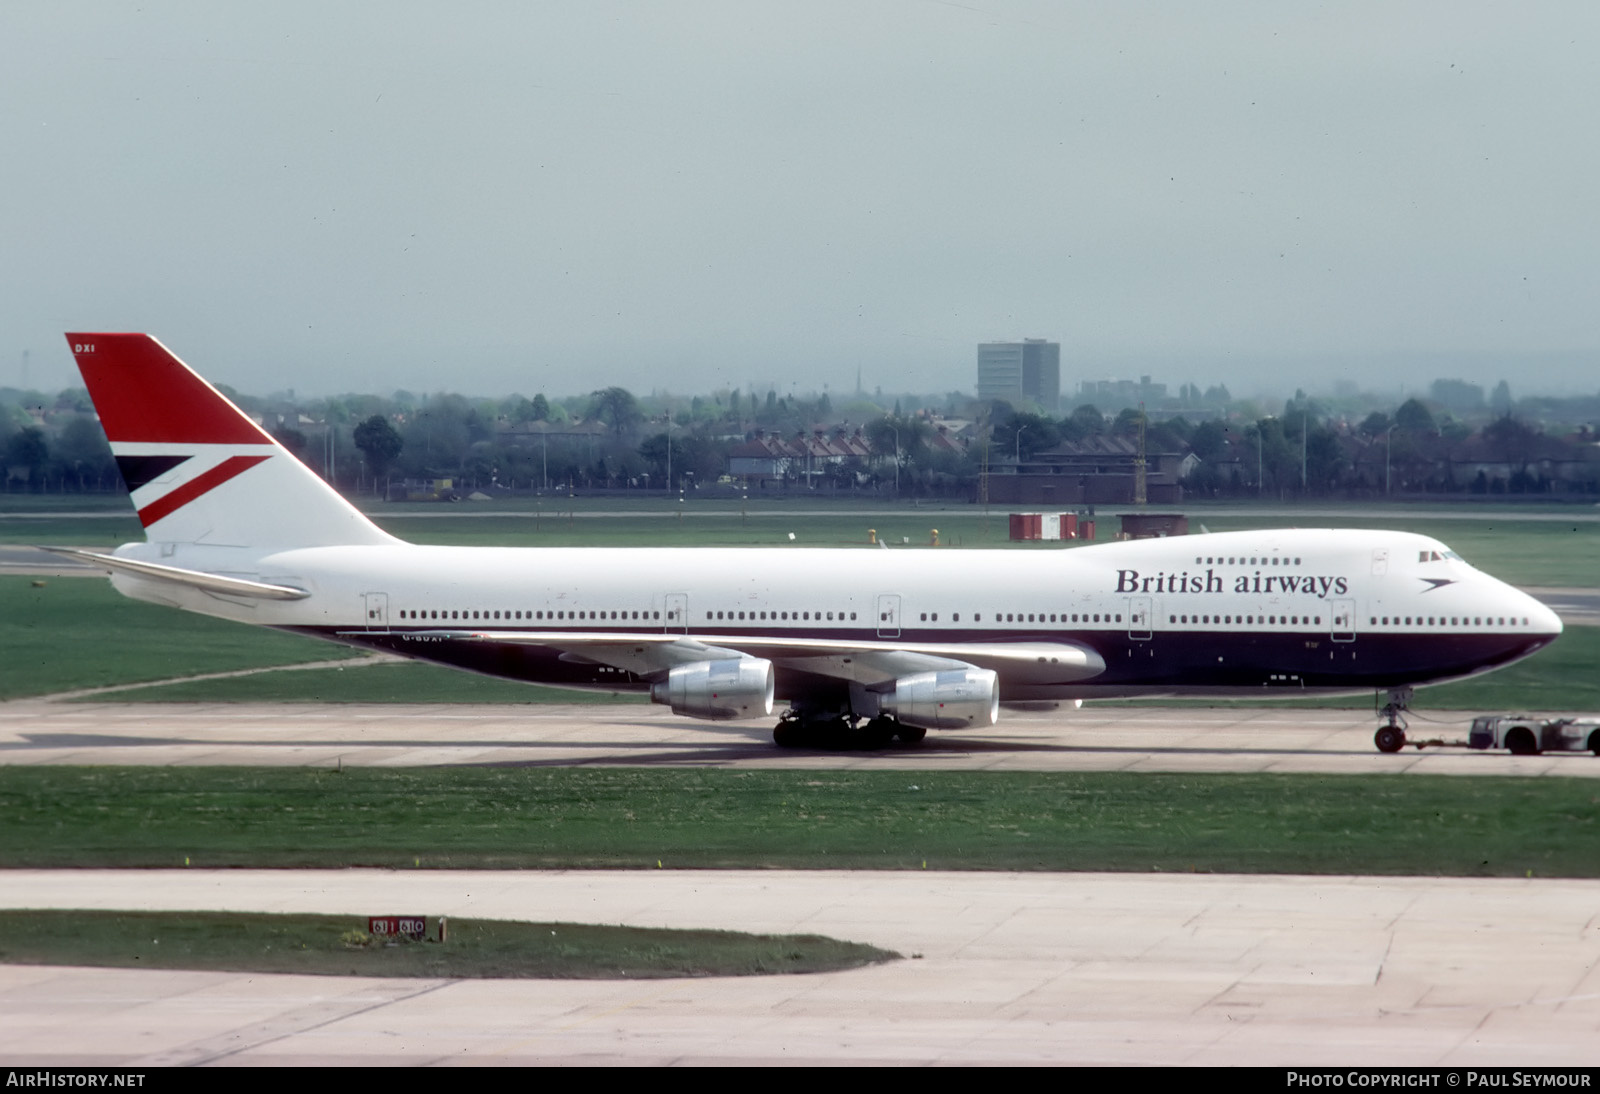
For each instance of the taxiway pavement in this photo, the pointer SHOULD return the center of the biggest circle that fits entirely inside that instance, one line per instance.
(996, 969)
(1104, 738)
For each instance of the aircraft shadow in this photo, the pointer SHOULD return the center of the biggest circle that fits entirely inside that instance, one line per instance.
(743, 748)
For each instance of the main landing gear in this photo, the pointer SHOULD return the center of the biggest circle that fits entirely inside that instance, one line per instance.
(1391, 736)
(840, 732)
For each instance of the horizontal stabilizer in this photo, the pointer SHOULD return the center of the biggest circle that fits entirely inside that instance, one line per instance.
(195, 579)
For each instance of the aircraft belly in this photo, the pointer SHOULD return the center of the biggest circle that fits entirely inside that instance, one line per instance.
(530, 664)
(1179, 662)
(1169, 663)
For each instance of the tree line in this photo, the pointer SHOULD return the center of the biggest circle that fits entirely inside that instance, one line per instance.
(611, 439)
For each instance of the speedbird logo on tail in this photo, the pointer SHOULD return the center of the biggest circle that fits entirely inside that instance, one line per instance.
(175, 437)
(181, 446)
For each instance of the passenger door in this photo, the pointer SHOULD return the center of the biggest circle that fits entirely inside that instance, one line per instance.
(676, 617)
(1342, 620)
(1139, 618)
(377, 608)
(889, 616)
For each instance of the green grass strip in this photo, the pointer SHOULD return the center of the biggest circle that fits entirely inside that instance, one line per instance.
(60, 634)
(537, 817)
(324, 945)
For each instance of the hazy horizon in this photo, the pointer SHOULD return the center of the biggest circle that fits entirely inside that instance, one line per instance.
(561, 197)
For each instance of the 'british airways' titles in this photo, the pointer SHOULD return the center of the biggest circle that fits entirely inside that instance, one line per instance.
(1319, 586)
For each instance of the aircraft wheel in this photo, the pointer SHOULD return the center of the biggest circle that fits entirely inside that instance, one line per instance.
(1521, 742)
(835, 735)
(789, 735)
(911, 735)
(876, 734)
(1389, 738)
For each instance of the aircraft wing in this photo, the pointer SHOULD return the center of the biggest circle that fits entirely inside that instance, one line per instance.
(868, 663)
(876, 663)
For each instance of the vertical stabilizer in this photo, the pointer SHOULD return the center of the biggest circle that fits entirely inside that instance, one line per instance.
(197, 468)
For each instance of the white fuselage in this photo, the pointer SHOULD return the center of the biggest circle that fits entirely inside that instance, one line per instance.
(1239, 613)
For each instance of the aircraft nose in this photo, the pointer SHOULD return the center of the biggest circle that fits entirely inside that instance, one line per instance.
(1541, 618)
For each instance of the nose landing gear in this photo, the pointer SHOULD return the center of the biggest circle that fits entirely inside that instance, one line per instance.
(1391, 736)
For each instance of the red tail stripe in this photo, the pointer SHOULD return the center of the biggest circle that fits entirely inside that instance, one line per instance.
(195, 487)
(143, 393)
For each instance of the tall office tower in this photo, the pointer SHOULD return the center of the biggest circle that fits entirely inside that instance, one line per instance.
(1015, 371)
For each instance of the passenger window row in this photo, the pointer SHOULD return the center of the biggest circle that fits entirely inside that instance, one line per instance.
(1030, 617)
(1441, 621)
(803, 616)
(1269, 620)
(464, 614)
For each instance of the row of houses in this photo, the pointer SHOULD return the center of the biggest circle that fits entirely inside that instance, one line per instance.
(1104, 469)
(1098, 470)
(768, 456)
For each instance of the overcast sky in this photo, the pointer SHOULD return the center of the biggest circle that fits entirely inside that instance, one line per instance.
(563, 196)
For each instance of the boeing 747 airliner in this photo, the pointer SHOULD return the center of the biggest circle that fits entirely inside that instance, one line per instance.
(866, 646)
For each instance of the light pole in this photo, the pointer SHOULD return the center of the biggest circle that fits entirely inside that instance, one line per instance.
(1388, 442)
(896, 462)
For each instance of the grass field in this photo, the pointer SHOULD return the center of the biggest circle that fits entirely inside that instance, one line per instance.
(324, 945)
(559, 818)
(60, 634)
(101, 533)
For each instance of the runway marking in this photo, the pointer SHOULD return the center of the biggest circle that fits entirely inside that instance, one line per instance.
(284, 1026)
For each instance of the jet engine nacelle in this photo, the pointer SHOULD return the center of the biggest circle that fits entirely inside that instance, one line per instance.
(956, 699)
(718, 690)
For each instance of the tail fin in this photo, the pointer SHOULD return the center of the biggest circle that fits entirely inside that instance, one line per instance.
(197, 468)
